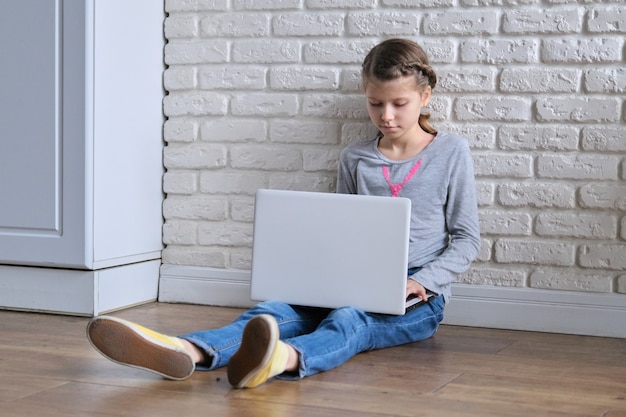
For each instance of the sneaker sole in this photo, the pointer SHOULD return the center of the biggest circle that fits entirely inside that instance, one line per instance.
(118, 341)
(249, 359)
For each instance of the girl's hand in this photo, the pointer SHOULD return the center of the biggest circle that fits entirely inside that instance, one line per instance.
(414, 287)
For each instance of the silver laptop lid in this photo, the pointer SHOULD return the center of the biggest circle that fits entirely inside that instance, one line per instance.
(331, 250)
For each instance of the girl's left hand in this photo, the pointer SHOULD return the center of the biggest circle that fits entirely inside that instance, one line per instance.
(414, 287)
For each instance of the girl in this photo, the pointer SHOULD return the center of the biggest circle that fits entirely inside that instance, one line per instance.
(408, 158)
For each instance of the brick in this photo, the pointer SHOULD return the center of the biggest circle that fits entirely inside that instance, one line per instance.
(180, 78)
(180, 130)
(534, 252)
(336, 52)
(267, 4)
(180, 52)
(553, 138)
(350, 106)
(607, 20)
(350, 81)
(195, 5)
(195, 208)
(508, 223)
(241, 258)
(498, 2)
(352, 131)
(195, 103)
(195, 255)
(499, 51)
(266, 51)
(232, 77)
(577, 167)
(485, 192)
(440, 51)
(319, 183)
(461, 23)
(479, 136)
(181, 27)
(242, 209)
(308, 24)
(570, 280)
(603, 256)
(477, 275)
(264, 104)
(231, 183)
(382, 23)
(233, 130)
(481, 108)
(235, 25)
(340, 4)
(180, 232)
(578, 109)
(320, 160)
(577, 225)
(305, 132)
(195, 156)
(180, 182)
(484, 255)
(540, 80)
(266, 158)
(623, 228)
(507, 166)
(225, 234)
(439, 108)
(605, 139)
(606, 80)
(418, 4)
(580, 51)
(537, 195)
(603, 196)
(303, 78)
(531, 21)
(468, 80)
(621, 284)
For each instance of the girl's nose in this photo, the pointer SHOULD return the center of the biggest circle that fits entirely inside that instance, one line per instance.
(386, 115)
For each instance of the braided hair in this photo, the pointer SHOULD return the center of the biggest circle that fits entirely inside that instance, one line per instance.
(395, 58)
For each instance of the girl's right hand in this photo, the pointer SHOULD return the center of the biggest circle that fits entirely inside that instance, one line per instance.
(414, 287)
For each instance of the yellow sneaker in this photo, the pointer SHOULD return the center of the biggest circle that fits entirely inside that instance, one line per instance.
(261, 355)
(133, 345)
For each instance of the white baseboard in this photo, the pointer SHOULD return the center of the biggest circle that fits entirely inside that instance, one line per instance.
(592, 314)
(77, 292)
(206, 286)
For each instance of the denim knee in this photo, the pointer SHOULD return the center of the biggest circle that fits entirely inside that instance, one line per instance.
(349, 314)
(263, 307)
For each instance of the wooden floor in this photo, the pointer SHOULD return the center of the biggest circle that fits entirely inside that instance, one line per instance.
(47, 368)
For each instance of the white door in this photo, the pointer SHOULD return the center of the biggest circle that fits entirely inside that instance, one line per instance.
(42, 134)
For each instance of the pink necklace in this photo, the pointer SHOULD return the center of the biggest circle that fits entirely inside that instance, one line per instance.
(396, 188)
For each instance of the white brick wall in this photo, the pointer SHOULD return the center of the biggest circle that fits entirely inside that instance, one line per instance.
(265, 93)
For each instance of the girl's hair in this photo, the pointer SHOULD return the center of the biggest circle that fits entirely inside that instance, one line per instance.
(395, 58)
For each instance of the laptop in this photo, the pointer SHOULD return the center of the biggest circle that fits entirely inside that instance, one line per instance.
(331, 250)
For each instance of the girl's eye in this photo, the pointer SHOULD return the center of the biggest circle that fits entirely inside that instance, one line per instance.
(375, 104)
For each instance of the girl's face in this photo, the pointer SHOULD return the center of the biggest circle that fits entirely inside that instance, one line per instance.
(394, 107)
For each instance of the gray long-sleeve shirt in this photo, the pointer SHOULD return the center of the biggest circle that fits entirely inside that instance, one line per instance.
(439, 181)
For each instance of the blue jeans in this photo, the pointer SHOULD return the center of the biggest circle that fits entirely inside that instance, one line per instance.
(324, 338)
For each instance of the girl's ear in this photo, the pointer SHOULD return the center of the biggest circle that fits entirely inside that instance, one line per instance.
(426, 96)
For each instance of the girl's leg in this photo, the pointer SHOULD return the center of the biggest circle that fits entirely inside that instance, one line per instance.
(220, 344)
(348, 331)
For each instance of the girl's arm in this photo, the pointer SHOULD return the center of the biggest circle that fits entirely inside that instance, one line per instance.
(461, 213)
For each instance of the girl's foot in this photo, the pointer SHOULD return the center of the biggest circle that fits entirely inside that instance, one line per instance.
(130, 344)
